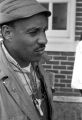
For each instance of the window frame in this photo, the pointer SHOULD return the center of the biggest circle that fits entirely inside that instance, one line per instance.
(58, 39)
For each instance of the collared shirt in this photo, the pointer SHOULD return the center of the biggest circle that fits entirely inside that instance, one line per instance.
(21, 72)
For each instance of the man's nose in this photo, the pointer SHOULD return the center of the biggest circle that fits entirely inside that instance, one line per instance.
(42, 39)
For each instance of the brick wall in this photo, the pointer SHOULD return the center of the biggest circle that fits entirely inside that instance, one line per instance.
(78, 29)
(61, 65)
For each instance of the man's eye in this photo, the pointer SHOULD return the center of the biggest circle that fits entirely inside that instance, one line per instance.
(34, 32)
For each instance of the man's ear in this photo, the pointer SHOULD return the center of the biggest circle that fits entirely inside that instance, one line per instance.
(7, 32)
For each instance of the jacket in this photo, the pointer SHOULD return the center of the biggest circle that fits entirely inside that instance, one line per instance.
(15, 103)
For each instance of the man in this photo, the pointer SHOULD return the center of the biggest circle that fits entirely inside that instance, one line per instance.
(25, 92)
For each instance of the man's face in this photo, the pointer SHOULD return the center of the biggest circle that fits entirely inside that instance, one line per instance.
(29, 38)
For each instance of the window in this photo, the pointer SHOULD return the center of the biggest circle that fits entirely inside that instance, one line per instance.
(59, 19)
(61, 24)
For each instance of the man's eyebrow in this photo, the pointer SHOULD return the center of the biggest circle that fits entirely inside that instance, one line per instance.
(33, 28)
(36, 28)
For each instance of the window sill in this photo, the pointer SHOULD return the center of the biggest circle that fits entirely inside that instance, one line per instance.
(61, 46)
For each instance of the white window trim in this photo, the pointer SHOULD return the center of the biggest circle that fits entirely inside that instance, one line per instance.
(59, 33)
(63, 41)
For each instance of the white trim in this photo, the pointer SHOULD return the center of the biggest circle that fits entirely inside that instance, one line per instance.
(75, 99)
(61, 46)
(61, 33)
(50, 18)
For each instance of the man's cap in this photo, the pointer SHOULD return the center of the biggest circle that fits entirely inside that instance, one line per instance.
(11, 10)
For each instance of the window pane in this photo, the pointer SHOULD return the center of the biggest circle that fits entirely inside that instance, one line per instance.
(59, 20)
(46, 5)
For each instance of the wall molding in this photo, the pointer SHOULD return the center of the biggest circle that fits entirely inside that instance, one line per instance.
(75, 99)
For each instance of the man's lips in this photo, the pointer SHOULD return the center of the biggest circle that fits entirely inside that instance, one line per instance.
(40, 50)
